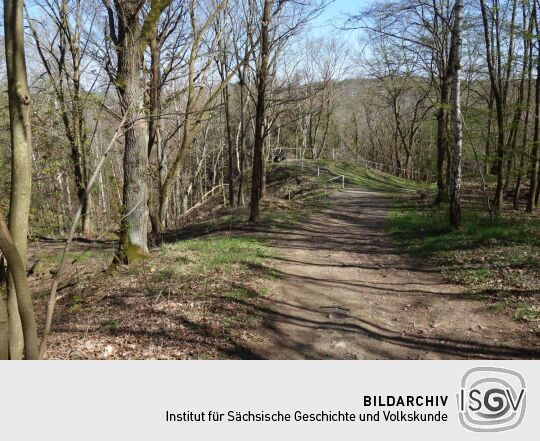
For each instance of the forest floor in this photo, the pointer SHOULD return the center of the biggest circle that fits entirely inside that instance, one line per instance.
(316, 278)
(346, 291)
(202, 294)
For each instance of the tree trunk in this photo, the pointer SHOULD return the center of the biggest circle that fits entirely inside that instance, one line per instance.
(79, 139)
(17, 269)
(154, 128)
(499, 160)
(242, 144)
(535, 154)
(22, 326)
(455, 171)
(4, 318)
(133, 244)
(498, 95)
(487, 161)
(532, 200)
(524, 144)
(262, 82)
(442, 142)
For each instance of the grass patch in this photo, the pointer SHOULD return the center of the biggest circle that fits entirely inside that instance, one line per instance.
(242, 293)
(358, 175)
(526, 312)
(84, 256)
(425, 230)
(221, 252)
(78, 304)
(497, 260)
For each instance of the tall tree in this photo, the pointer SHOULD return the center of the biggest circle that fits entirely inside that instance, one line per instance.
(455, 165)
(262, 83)
(534, 189)
(424, 27)
(499, 73)
(193, 115)
(65, 75)
(223, 65)
(22, 326)
(275, 28)
(130, 36)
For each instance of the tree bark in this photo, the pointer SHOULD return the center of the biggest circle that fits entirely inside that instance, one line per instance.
(4, 318)
(17, 269)
(455, 171)
(242, 143)
(133, 244)
(535, 154)
(528, 60)
(130, 38)
(262, 83)
(442, 142)
(223, 66)
(21, 161)
(230, 145)
(487, 149)
(498, 96)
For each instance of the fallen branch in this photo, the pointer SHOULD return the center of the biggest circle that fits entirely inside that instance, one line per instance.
(203, 199)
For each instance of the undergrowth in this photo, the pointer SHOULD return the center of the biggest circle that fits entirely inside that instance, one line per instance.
(498, 261)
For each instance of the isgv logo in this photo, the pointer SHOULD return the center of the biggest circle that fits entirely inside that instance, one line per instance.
(491, 399)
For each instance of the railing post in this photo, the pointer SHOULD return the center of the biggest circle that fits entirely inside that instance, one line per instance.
(318, 171)
(343, 182)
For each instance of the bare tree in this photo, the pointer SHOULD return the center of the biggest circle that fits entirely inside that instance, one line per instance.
(262, 84)
(62, 59)
(534, 190)
(424, 27)
(130, 35)
(455, 169)
(22, 325)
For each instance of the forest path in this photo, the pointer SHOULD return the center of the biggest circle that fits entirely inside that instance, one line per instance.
(347, 292)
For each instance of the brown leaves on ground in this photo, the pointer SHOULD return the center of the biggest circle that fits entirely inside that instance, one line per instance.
(169, 307)
(506, 277)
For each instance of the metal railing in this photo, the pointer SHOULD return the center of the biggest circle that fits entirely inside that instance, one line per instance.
(342, 177)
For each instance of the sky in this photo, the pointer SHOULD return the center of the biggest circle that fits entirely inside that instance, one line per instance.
(335, 15)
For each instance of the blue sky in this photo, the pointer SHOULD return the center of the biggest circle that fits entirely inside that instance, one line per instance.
(336, 14)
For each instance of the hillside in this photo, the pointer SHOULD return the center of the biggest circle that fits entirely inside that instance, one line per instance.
(212, 289)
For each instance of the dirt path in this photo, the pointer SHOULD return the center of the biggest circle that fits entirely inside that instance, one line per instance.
(347, 292)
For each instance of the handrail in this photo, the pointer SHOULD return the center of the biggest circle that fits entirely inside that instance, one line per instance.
(342, 177)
